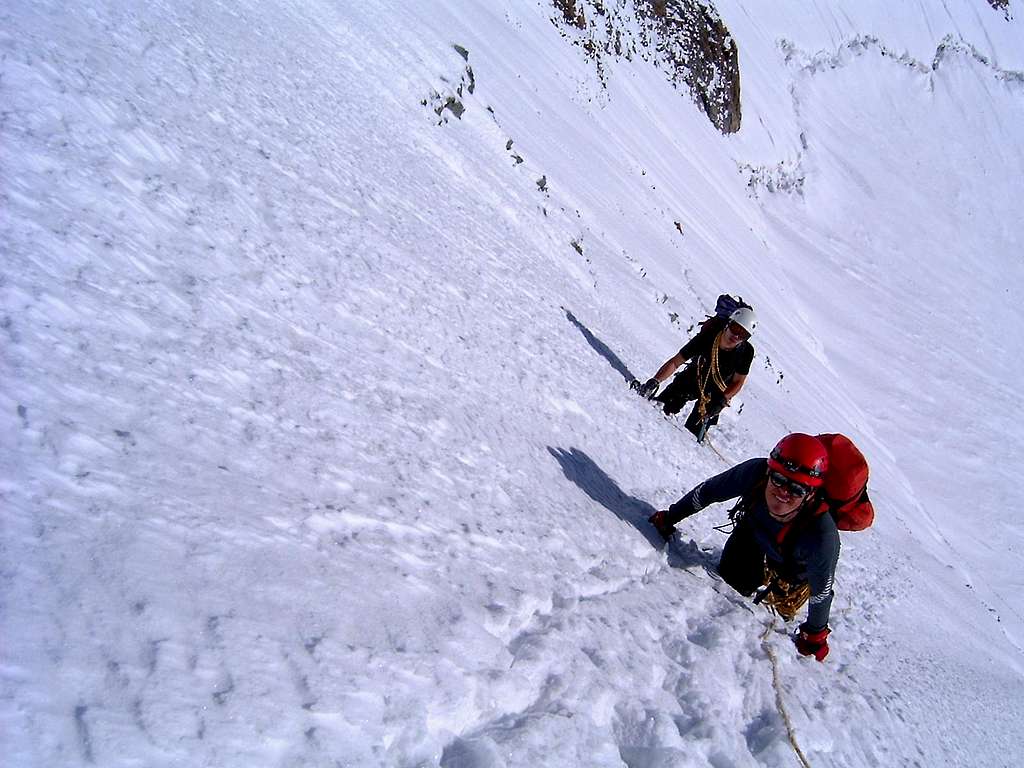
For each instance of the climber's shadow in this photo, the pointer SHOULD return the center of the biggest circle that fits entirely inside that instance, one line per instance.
(600, 347)
(582, 470)
(687, 554)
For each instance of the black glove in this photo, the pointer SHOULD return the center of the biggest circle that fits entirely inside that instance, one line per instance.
(812, 643)
(649, 388)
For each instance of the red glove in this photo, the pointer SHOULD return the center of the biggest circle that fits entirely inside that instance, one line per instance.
(812, 643)
(661, 524)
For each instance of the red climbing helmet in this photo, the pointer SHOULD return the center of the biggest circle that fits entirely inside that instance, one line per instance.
(801, 458)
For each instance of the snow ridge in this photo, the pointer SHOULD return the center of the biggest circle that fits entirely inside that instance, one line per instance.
(949, 47)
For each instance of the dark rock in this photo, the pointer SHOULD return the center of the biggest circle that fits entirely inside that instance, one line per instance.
(686, 39)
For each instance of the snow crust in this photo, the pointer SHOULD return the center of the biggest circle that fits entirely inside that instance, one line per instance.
(317, 445)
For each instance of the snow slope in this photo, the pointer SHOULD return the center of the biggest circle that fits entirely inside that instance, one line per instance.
(317, 445)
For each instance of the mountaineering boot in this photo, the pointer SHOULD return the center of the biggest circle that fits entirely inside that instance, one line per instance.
(661, 524)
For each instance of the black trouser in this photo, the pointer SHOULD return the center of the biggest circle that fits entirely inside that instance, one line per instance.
(684, 388)
(742, 563)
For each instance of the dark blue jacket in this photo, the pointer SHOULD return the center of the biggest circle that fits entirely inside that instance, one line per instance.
(809, 551)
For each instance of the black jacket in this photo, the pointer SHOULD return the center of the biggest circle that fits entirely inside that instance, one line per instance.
(730, 361)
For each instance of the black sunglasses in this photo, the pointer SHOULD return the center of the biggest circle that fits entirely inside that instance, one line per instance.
(792, 487)
(739, 331)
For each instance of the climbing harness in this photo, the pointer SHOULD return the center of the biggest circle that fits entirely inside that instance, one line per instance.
(713, 372)
(782, 596)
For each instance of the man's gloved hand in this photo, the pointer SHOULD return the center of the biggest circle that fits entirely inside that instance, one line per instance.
(812, 643)
(649, 388)
(661, 524)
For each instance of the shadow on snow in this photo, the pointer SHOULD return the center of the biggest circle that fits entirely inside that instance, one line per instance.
(600, 347)
(592, 480)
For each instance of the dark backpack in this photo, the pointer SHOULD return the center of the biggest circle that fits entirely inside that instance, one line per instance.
(724, 307)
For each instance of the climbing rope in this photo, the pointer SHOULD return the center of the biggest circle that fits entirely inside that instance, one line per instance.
(718, 453)
(777, 683)
(713, 373)
(781, 596)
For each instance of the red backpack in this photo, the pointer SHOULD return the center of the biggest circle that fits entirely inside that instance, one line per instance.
(844, 494)
(846, 485)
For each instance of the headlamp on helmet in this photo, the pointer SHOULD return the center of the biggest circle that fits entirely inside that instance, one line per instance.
(801, 458)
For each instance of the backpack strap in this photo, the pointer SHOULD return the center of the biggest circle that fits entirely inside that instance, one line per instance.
(859, 497)
(747, 500)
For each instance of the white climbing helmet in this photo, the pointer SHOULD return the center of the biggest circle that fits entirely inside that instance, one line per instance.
(745, 318)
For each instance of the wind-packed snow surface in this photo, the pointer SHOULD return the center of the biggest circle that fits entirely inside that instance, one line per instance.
(317, 445)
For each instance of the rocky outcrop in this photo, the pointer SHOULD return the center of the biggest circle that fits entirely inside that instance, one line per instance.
(684, 38)
(692, 40)
(1002, 5)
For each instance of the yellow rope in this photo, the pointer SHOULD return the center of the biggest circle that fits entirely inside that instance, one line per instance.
(714, 373)
(777, 683)
(717, 374)
(783, 597)
(718, 453)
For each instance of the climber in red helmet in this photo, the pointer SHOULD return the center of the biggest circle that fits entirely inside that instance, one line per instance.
(782, 547)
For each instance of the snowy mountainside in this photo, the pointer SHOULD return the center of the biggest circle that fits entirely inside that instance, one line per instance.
(318, 450)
